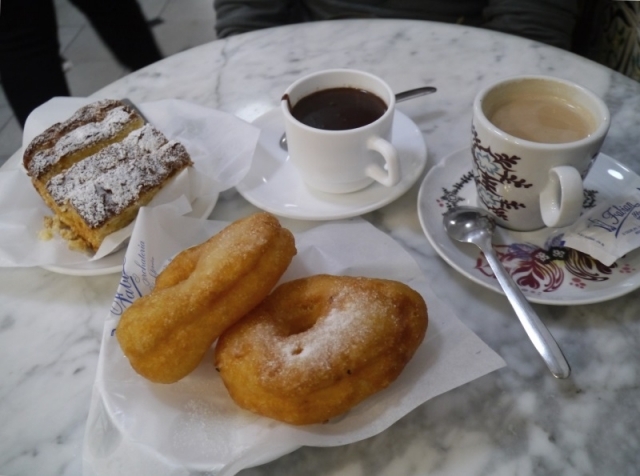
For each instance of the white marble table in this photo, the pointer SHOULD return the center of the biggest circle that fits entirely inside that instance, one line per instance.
(517, 420)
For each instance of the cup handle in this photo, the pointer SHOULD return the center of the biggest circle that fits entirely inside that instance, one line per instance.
(562, 197)
(390, 176)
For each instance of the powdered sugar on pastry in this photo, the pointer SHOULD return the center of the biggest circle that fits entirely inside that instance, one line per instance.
(108, 182)
(317, 346)
(89, 126)
(97, 168)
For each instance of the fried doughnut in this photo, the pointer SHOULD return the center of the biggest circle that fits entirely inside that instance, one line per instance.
(318, 346)
(203, 291)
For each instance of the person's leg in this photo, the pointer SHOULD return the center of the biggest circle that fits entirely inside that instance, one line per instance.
(123, 28)
(30, 68)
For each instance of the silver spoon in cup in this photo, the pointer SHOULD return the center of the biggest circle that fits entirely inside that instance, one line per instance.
(474, 225)
(403, 96)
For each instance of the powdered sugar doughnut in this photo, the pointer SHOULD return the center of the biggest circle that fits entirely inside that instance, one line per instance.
(320, 345)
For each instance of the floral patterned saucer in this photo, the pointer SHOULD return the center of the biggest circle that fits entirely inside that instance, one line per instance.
(546, 272)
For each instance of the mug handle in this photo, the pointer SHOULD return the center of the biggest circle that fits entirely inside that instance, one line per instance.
(562, 197)
(390, 176)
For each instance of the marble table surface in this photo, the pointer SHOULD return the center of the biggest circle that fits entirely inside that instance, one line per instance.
(517, 420)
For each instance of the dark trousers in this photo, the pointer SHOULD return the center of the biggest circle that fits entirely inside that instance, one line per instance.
(30, 67)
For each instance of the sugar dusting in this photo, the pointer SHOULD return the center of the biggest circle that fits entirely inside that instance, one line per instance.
(345, 330)
(103, 185)
(89, 125)
(242, 243)
(327, 336)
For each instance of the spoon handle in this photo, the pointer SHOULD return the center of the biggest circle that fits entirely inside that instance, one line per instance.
(540, 336)
(413, 93)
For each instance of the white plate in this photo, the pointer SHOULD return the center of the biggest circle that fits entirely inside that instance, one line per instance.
(193, 426)
(111, 264)
(575, 278)
(273, 184)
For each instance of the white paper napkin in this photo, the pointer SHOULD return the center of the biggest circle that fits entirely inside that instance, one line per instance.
(137, 427)
(220, 145)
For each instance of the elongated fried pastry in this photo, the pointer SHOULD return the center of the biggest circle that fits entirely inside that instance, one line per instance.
(202, 292)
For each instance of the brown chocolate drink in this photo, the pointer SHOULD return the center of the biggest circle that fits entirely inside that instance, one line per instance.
(339, 109)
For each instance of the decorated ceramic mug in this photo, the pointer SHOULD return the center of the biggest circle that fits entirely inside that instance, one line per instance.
(338, 125)
(534, 139)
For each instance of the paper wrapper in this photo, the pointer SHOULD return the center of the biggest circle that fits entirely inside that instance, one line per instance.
(192, 426)
(610, 230)
(221, 147)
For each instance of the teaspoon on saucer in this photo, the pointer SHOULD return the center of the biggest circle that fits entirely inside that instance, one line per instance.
(403, 96)
(474, 225)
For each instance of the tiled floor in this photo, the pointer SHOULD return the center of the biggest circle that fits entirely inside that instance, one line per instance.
(178, 25)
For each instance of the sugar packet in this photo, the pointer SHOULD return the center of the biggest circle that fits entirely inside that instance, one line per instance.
(609, 230)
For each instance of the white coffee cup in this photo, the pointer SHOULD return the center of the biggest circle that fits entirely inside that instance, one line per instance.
(341, 161)
(534, 139)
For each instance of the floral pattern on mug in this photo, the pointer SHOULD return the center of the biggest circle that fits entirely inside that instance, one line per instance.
(491, 169)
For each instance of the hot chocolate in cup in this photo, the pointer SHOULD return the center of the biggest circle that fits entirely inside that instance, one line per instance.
(338, 124)
(534, 139)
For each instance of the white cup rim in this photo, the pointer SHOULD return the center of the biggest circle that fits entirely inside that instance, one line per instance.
(284, 104)
(603, 114)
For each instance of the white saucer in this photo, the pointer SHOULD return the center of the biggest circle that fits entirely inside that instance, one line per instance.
(526, 254)
(273, 184)
(111, 264)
